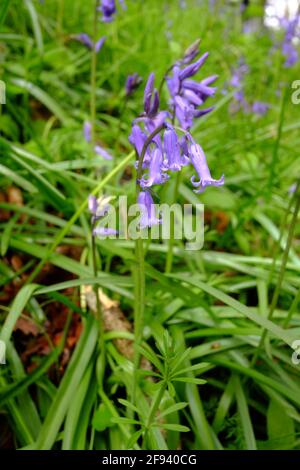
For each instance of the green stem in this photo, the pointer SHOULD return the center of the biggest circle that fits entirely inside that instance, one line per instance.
(139, 276)
(153, 411)
(292, 309)
(139, 306)
(278, 244)
(59, 18)
(139, 302)
(98, 308)
(278, 139)
(169, 260)
(93, 78)
(281, 272)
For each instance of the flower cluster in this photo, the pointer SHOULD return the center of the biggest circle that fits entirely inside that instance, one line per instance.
(108, 9)
(186, 94)
(163, 148)
(240, 102)
(289, 50)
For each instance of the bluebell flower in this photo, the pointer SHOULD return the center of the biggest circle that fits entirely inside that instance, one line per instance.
(104, 232)
(199, 162)
(132, 83)
(85, 39)
(88, 42)
(289, 50)
(152, 117)
(260, 108)
(98, 208)
(148, 212)
(87, 130)
(156, 173)
(108, 9)
(190, 53)
(174, 160)
(192, 69)
(186, 94)
(137, 139)
(171, 153)
(102, 152)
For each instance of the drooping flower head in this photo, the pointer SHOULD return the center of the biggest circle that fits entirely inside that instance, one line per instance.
(190, 53)
(89, 43)
(108, 9)
(132, 83)
(260, 108)
(99, 208)
(156, 174)
(289, 51)
(186, 94)
(160, 151)
(148, 212)
(199, 162)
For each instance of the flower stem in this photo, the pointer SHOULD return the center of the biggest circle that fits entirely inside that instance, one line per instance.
(93, 78)
(139, 274)
(98, 310)
(153, 410)
(59, 19)
(169, 260)
(139, 291)
(139, 306)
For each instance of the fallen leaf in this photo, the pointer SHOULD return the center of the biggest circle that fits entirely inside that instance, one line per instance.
(27, 326)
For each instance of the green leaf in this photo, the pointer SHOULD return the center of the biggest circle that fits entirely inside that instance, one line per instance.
(7, 233)
(191, 380)
(17, 179)
(134, 438)
(3, 10)
(15, 310)
(35, 25)
(80, 359)
(243, 309)
(43, 97)
(281, 429)
(172, 427)
(128, 404)
(121, 420)
(244, 415)
(172, 409)
(103, 418)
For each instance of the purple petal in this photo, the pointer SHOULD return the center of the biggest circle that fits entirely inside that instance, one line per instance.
(148, 92)
(99, 44)
(147, 207)
(104, 232)
(172, 150)
(156, 175)
(87, 128)
(85, 39)
(199, 162)
(92, 204)
(192, 69)
(102, 152)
